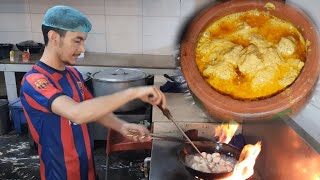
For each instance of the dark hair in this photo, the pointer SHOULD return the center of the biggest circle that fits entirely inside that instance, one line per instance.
(46, 29)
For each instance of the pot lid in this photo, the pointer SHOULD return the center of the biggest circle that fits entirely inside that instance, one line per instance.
(120, 75)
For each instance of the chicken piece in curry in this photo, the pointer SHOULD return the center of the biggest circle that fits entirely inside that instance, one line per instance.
(250, 55)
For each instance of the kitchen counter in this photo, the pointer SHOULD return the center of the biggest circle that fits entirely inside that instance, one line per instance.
(109, 60)
(91, 62)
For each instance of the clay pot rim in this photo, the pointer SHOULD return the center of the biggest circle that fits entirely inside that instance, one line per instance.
(225, 104)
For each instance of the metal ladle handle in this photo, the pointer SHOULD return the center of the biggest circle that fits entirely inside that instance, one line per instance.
(168, 114)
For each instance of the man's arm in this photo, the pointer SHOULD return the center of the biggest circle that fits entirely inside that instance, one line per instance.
(123, 127)
(97, 108)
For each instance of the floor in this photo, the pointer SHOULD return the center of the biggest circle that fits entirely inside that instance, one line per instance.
(19, 161)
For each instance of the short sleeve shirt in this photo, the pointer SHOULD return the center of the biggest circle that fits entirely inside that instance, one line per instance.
(65, 148)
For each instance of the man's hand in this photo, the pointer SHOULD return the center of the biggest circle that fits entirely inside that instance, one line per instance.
(141, 132)
(151, 95)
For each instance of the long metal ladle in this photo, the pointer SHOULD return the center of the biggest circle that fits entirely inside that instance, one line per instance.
(168, 114)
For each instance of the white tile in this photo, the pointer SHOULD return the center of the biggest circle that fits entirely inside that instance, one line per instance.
(161, 8)
(123, 7)
(37, 37)
(190, 7)
(15, 22)
(85, 6)
(158, 45)
(98, 23)
(41, 6)
(124, 34)
(159, 34)
(17, 6)
(160, 26)
(15, 37)
(96, 43)
(36, 21)
(88, 7)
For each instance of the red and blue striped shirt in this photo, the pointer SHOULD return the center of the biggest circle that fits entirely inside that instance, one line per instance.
(65, 148)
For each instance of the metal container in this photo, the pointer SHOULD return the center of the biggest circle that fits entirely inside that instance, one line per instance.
(109, 81)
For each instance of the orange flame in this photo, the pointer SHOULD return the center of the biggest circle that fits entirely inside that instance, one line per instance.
(244, 168)
(226, 131)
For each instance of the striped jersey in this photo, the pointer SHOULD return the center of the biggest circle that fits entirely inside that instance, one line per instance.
(65, 148)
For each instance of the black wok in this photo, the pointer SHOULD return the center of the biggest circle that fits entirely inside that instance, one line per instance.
(209, 147)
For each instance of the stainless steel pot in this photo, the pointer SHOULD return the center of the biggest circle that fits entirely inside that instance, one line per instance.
(109, 81)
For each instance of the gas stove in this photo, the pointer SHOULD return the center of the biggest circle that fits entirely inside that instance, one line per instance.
(284, 154)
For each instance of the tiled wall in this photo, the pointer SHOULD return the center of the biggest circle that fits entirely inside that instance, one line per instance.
(119, 26)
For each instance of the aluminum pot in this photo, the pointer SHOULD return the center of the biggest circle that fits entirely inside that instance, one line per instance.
(109, 81)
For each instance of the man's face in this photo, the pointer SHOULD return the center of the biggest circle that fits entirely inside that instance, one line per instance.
(71, 46)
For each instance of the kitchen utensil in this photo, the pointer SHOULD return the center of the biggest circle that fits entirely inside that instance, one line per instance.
(156, 136)
(135, 133)
(209, 147)
(168, 114)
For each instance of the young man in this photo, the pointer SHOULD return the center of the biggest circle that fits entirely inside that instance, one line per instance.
(57, 105)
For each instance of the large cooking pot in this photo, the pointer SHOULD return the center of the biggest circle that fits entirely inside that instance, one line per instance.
(223, 107)
(109, 81)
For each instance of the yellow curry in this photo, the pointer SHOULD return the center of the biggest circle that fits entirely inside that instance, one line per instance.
(250, 55)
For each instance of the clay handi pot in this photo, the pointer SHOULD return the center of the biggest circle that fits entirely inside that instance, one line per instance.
(224, 107)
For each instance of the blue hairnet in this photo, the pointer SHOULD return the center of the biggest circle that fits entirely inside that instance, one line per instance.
(66, 18)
